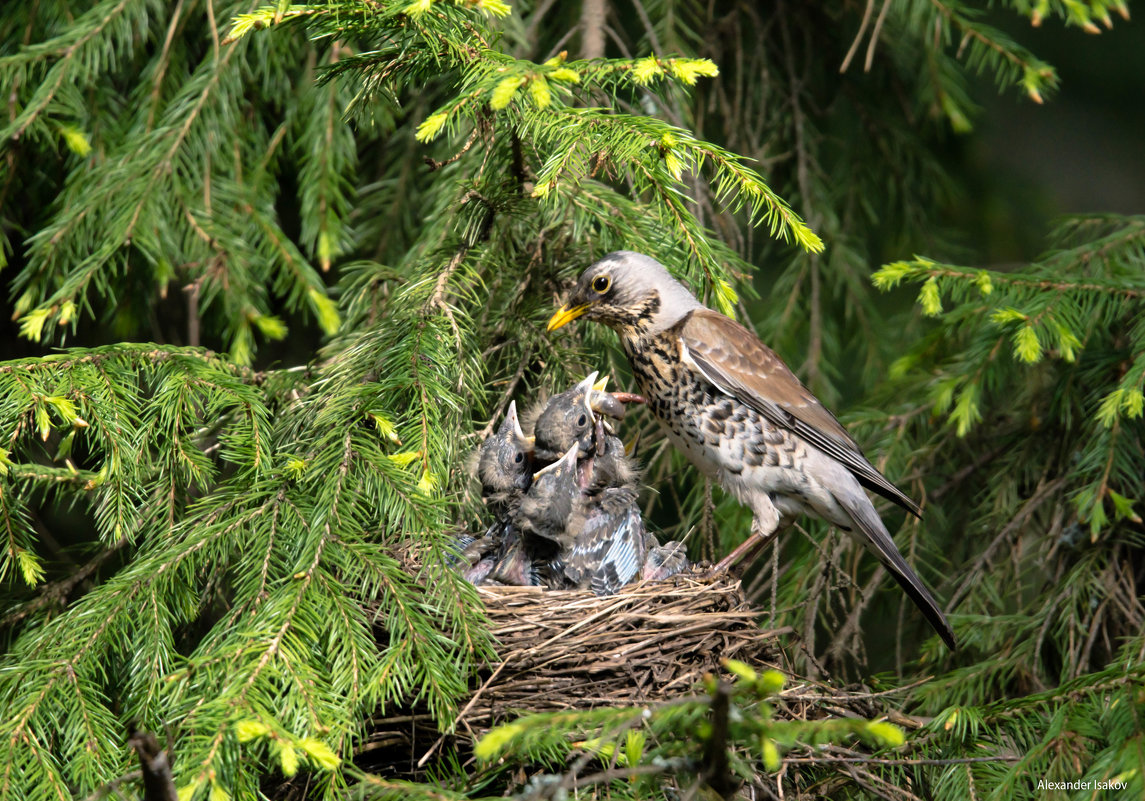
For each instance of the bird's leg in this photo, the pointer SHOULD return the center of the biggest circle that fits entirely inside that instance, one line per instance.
(764, 527)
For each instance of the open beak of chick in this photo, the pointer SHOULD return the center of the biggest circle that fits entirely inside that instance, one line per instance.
(511, 417)
(566, 464)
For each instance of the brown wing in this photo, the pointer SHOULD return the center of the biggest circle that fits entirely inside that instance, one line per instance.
(733, 359)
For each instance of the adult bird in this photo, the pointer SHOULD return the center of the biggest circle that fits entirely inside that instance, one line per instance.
(739, 413)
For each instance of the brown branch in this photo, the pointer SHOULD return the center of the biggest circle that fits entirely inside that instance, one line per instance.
(164, 60)
(158, 784)
(1056, 286)
(592, 16)
(113, 785)
(904, 761)
(437, 165)
(1042, 493)
(854, 48)
(875, 35)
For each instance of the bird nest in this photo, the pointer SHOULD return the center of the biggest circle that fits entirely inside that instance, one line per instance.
(573, 650)
(570, 649)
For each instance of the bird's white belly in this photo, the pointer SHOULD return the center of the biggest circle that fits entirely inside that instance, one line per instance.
(793, 491)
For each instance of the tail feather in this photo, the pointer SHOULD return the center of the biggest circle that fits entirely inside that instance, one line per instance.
(875, 537)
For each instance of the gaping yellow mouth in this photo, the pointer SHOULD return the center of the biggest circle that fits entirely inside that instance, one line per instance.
(566, 314)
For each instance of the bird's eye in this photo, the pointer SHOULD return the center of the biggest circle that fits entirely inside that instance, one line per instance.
(601, 283)
(519, 457)
(580, 421)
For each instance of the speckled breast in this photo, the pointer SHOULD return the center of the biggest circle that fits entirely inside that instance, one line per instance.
(720, 435)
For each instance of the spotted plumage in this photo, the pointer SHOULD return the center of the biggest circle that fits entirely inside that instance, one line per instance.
(609, 543)
(739, 414)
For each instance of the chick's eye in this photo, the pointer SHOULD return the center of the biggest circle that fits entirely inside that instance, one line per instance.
(520, 457)
(601, 283)
(580, 421)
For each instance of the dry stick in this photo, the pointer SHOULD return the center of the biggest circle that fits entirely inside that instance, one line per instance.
(792, 696)
(113, 785)
(904, 761)
(875, 35)
(1041, 494)
(193, 321)
(535, 20)
(425, 757)
(858, 36)
(646, 21)
(851, 626)
(607, 776)
(437, 165)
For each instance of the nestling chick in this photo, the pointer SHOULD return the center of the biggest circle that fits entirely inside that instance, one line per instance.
(566, 420)
(664, 561)
(569, 418)
(515, 564)
(607, 464)
(505, 463)
(608, 542)
(475, 557)
(545, 509)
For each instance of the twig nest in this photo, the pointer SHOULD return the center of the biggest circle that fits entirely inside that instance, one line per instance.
(570, 649)
(652, 641)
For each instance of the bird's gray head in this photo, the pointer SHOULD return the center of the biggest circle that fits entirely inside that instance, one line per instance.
(567, 420)
(505, 458)
(627, 290)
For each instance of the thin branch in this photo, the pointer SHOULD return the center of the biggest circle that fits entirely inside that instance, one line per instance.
(854, 48)
(592, 16)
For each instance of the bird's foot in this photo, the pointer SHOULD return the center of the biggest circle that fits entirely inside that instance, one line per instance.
(743, 553)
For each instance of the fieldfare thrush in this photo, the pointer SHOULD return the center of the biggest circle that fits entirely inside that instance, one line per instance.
(739, 413)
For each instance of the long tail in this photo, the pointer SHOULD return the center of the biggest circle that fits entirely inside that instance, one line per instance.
(877, 540)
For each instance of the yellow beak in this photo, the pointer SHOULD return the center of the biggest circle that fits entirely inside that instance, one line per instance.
(566, 314)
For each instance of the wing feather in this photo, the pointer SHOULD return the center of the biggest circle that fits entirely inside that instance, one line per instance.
(625, 556)
(734, 360)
